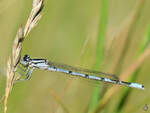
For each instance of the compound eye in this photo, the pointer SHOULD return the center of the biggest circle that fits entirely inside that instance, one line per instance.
(26, 58)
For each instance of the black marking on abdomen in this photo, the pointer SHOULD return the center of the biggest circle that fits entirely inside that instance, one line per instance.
(86, 76)
(70, 72)
(128, 83)
(102, 78)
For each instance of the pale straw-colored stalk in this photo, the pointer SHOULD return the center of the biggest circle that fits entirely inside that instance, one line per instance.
(13, 60)
(124, 76)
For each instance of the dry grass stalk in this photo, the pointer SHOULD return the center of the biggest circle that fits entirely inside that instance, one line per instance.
(62, 95)
(11, 67)
(112, 91)
(125, 35)
(53, 94)
(33, 19)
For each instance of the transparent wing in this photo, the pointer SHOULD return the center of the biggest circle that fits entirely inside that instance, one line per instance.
(81, 70)
(88, 82)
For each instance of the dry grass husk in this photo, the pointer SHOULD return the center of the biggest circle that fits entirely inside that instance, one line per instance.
(33, 19)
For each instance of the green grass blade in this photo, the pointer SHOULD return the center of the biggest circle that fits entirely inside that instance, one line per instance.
(100, 50)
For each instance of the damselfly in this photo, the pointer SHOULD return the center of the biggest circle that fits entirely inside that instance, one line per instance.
(31, 64)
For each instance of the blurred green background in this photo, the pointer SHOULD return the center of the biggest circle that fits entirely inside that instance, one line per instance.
(83, 33)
